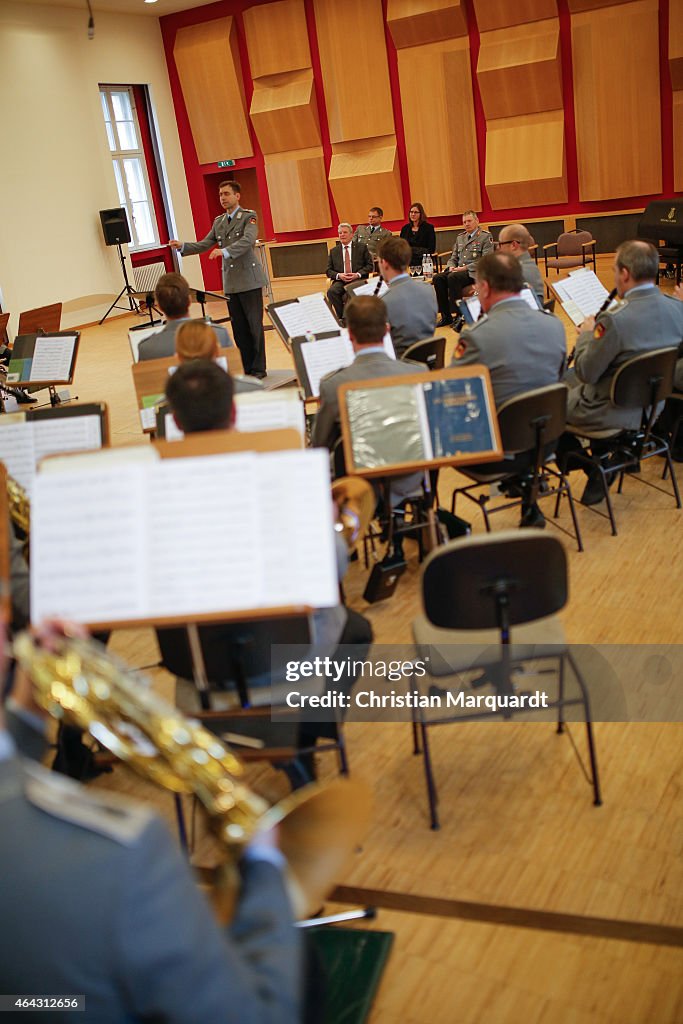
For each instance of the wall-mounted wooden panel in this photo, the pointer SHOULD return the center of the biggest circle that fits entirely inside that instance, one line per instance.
(519, 69)
(297, 187)
(210, 73)
(616, 99)
(678, 141)
(576, 6)
(364, 173)
(441, 141)
(415, 22)
(492, 14)
(268, 28)
(353, 58)
(525, 160)
(676, 43)
(285, 115)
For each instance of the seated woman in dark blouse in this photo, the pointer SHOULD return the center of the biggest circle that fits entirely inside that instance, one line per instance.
(419, 234)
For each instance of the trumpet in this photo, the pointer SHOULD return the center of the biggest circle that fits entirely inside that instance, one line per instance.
(319, 826)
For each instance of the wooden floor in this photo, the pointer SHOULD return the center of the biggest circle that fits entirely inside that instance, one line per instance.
(530, 905)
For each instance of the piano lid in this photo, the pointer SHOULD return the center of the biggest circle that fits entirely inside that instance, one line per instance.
(663, 219)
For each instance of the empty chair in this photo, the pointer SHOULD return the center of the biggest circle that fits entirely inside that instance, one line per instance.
(572, 249)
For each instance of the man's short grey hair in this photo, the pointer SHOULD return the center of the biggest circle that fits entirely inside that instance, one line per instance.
(641, 259)
(470, 213)
(345, 225)
(516, 233)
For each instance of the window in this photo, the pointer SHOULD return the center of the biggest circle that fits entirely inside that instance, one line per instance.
(130, 170)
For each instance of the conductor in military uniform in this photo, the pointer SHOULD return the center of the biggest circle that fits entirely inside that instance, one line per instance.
(99, 902)
(235, 233)
(471, 244)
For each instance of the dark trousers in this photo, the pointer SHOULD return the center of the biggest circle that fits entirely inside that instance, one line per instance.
(246, 314)
(336, 293)
(449, 288)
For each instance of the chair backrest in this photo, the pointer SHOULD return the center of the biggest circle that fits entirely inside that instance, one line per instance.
(570, 243)
(645, 380)
(431, 352)
(461, 580)
(4, 320)
(44, 318)
(521, 418)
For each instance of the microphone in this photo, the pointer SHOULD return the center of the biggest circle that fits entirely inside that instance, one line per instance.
(610, 298)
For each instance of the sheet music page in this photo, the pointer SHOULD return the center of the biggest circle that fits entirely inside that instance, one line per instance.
(325, 355)
(135, 337)
(52, 357)
(148, 418)
(269, 411)
(88, 542)
(204, 543)
(17, 451)
(388, 344)
(172, 431)
(369, 288)
(293, 318)
(296, 528)
(67, 434)
(319, 316)
(584, 292)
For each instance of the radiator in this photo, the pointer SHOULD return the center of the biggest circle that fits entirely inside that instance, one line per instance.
(146, 277)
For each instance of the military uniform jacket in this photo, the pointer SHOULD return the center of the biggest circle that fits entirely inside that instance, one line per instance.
(467, 251)
(532, 275)
(645, 320)
(242, 271)
(162, 344)
(522, 347)
(367, 236)
(411, 311)
(98, 900)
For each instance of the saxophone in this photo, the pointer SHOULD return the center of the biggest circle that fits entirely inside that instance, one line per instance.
(319, 826)
(20, 510)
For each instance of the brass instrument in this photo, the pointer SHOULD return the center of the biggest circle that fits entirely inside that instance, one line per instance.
(356, 502)
(20, 510)
(318, 826)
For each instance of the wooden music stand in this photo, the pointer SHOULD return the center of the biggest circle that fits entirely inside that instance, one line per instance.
(24, 352)
(45, 319)
(151, 376)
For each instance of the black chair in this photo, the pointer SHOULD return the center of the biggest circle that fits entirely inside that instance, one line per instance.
(490, 605)
(431, 352)
(531, 422)
(640, 383)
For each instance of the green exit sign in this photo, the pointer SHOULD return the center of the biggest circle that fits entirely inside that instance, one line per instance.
(226, 163)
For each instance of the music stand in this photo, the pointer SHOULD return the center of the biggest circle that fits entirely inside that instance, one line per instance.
(127, 290)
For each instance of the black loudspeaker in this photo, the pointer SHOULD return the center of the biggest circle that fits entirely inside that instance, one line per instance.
(115, 226)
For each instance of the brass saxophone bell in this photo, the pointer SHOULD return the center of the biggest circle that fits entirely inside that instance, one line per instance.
(319, 826)
(356, 501)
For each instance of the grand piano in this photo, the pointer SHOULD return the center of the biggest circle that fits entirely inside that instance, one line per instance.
(662, 224)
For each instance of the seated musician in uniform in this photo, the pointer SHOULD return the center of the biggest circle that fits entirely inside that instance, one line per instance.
(516, 239)
(196, 340)
(410, 304)
(102, 903)
(172, 296)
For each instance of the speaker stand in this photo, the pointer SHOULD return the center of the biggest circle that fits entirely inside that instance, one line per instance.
(127, 290)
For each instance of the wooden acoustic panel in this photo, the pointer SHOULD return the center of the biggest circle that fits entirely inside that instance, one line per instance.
(284, 112)
(525, 160)
(441, 140)
(678, 140)
(493, 14)
(208, 63)
(353, 58)
(415, 22)
(297, 187)
(519, 69)
(364, 173)
(268, 28)
(576, 6)
(676, 44)
(617, 111)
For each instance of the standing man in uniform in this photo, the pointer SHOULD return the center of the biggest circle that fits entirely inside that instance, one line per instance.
(372, 233)
(234, 233)
(471, 244)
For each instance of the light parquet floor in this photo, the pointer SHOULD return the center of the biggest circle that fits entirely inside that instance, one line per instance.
(518, 826)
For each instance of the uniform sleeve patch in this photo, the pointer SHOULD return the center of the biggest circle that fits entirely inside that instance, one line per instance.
(252, 220)
(460, 349)
(599, 331)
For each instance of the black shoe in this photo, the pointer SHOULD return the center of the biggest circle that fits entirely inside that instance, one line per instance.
(594, 491)
(532, 517)
(21, 396)
(445, 321)
(259, 374)
(458, 323)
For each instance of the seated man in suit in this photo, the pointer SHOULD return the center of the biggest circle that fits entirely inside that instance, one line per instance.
(118, 905)
(645, 319)
(172, 296)
(516, 239)
(522, 347)
(372, 233)
(472, 243)
(410, 304)
(349, 261)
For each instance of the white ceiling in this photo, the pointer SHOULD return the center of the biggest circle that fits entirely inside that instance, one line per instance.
(125, 6)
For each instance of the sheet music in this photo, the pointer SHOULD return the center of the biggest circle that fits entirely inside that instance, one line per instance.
(66, 434)
(172, 431)
(474, 305)
(368, 288)
(181, 537)
(17, 451)
(325, 355)
(320, 316)
(581, 294)
(52, 358)
(148, 418)
(294, 320)
(270, 411)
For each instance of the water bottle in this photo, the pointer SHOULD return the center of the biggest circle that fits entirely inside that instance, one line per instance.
(424, 266)
(428, 267)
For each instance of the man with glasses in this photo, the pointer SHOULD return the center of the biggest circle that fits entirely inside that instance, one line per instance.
(516, 239)
(372, 233)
